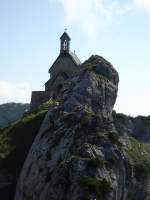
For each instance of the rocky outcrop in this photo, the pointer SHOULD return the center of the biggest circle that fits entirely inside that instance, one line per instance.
(95, 86)
(81, 152)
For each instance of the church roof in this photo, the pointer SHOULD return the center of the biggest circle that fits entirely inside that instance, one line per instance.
(75, 58)
(72, 55)
(65, 35)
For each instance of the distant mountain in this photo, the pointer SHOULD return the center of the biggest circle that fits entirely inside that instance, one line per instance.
(10, 112)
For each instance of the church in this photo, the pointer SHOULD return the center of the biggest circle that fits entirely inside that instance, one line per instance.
(66, 64)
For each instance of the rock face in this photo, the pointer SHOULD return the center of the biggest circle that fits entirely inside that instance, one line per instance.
(80, 152)
(95, 87)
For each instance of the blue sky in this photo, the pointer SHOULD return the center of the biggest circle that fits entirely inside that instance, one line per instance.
(118, 30)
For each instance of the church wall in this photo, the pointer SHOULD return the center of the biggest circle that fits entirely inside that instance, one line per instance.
(48, 85)
(37, 98)
(56, 85)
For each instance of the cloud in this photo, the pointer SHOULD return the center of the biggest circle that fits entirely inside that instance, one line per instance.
(91, 15)
(144, 4)
(14, 92)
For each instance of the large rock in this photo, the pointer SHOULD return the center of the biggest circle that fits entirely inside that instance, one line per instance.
(79, 153)
(95, 86)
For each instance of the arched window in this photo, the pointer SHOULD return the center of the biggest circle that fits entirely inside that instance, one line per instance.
(65, 45)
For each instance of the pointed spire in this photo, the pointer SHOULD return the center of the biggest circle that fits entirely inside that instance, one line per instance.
(65, 35)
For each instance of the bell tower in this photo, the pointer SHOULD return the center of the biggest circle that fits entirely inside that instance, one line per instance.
(65, 43)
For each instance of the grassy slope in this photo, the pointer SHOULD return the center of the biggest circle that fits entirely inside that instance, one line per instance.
(15, 142)
(16, 139)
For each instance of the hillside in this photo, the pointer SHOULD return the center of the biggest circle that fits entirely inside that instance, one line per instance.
(15, 142)
(10, 112)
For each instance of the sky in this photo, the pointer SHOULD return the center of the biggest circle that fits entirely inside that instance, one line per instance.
(118, 30)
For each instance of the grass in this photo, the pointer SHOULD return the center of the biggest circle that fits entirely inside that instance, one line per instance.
(99, 187)
(16, 140)
(96, 163)
(86, 119)
(101, 134)
(5, 147)
(91, 162)
(114, 138)
(76, 157)
(139, 155)
(32, 116)
(46, 105)
(69, 119)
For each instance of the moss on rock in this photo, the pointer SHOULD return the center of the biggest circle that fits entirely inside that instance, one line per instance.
(99, 187)
(139, 156)
(96, 163)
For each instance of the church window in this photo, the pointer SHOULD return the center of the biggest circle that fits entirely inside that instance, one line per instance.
(65, 45)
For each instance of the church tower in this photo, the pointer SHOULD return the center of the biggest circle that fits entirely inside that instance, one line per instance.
(65, 43)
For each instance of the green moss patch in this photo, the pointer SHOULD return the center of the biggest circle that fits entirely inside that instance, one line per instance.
(96, 163)
(47, 104)
(99, 187)
(16, 140)
(69, 119)
(111, 136)
(101, 134)
(5, 147)
(139, 156)
(114, 138)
